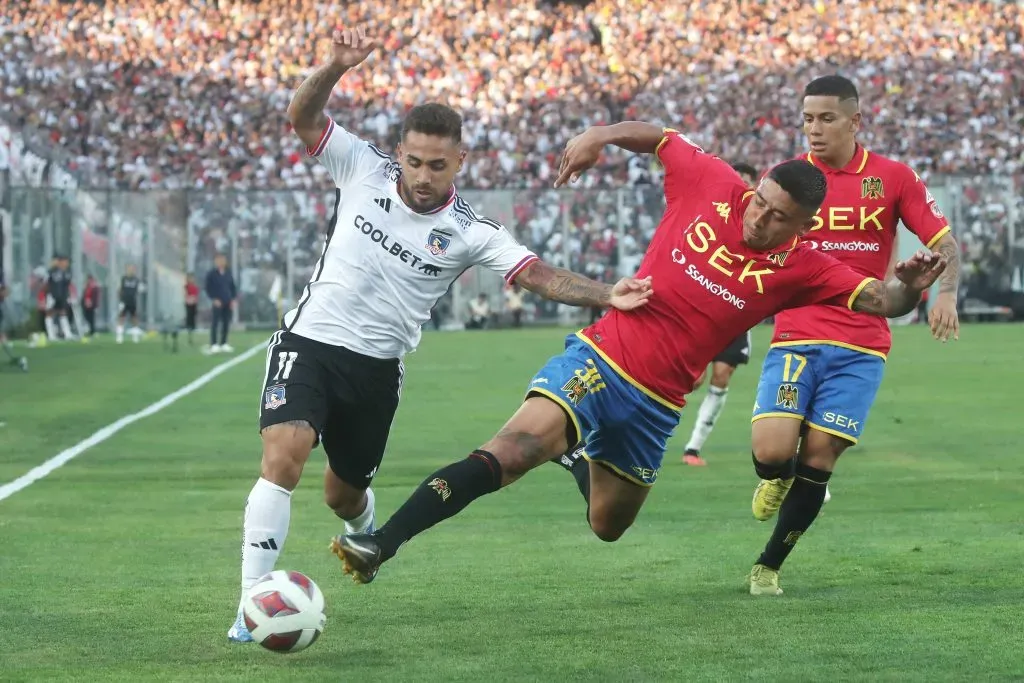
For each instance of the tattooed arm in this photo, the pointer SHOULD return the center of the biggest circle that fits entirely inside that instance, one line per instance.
(306, 112)
(949, 250)
(943, 318)
(565, 286)
(898, 295)
(891, 298)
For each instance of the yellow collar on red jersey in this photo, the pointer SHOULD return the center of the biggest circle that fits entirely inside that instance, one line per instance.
(856, 165)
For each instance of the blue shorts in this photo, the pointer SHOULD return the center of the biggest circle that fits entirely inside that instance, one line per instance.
(623, 426)
(830, 387)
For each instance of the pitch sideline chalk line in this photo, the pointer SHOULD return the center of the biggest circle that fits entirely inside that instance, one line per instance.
(68, 454)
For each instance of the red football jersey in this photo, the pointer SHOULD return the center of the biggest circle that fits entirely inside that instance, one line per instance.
(857, 224)
(191, 293)
(709, 287)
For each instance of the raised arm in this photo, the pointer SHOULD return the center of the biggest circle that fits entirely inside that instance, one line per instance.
(306, 111)
(583, 151)
(901, 293)
(632, 136)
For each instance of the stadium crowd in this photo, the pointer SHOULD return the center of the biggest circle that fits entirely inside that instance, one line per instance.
(116, 84)
(139, 94)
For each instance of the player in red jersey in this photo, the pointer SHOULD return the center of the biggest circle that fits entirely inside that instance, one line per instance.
(826, 362)
(722, 367)
(723, 258)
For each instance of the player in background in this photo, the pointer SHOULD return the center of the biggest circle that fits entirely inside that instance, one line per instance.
(724, 364)
(723, 258)
(5, 344)
(191, 305)
(399, 236)
(825, 363)
(58, 299)
(90, 302)
(128, 305)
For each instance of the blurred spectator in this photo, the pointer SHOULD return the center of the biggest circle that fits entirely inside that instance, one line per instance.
(514, 304)
(479, 312)
(90, 302)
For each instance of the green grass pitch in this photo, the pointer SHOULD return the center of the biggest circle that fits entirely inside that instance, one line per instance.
(124, 564)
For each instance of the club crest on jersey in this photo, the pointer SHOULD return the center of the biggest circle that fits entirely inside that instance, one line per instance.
(871, 188)
(788, 397)
(274, 397)
(438, 242)
(779, 258)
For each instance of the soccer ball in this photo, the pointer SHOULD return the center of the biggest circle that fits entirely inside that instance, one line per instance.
(284, 611)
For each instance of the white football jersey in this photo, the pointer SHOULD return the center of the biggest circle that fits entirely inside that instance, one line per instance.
(384, 265)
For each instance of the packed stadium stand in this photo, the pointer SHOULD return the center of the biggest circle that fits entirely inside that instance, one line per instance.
(189, 95)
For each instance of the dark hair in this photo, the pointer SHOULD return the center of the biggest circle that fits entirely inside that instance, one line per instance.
(832, 86)
(434, 119)
(745, 169)
(803, 181)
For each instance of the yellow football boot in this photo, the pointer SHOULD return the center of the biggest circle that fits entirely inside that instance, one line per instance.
(768, 497)
(764, 581)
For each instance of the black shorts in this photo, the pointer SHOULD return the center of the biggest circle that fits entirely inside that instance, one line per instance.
(190, 316)
(58, 304)
(348, 398)
(737, 352)
(129, 309)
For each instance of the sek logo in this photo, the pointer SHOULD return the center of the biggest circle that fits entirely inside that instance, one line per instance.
(388, 244)
(844, 246)
(842, 421)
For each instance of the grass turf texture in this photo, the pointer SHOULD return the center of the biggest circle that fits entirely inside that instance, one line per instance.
(123, 565)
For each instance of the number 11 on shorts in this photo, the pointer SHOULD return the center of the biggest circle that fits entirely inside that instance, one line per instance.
(286, 359)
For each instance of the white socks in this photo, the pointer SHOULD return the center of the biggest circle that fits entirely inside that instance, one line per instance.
(267, 512)
(709, 411)
(51, 328)
(65, 327)
(362, 523)
(119, 333)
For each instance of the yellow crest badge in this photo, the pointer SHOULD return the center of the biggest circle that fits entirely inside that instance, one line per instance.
(583, 382)
(871, 188)
(788, 397)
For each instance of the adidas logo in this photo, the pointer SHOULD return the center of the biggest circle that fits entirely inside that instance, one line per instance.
(269, 544)
(384, 203)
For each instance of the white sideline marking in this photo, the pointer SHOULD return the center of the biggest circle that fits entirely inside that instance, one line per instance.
(37, 473)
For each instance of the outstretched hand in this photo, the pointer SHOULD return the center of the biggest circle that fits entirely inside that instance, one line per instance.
(920, 271)
(629, 293)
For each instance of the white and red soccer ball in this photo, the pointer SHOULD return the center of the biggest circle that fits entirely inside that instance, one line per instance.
(284, 611)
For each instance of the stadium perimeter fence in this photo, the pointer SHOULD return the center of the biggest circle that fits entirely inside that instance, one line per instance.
(273, 239)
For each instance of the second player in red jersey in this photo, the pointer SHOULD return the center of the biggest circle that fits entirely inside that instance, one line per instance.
(723, 257)
(826, 362)
(866, 200)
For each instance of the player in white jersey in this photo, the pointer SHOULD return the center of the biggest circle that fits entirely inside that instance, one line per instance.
(400, 235)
